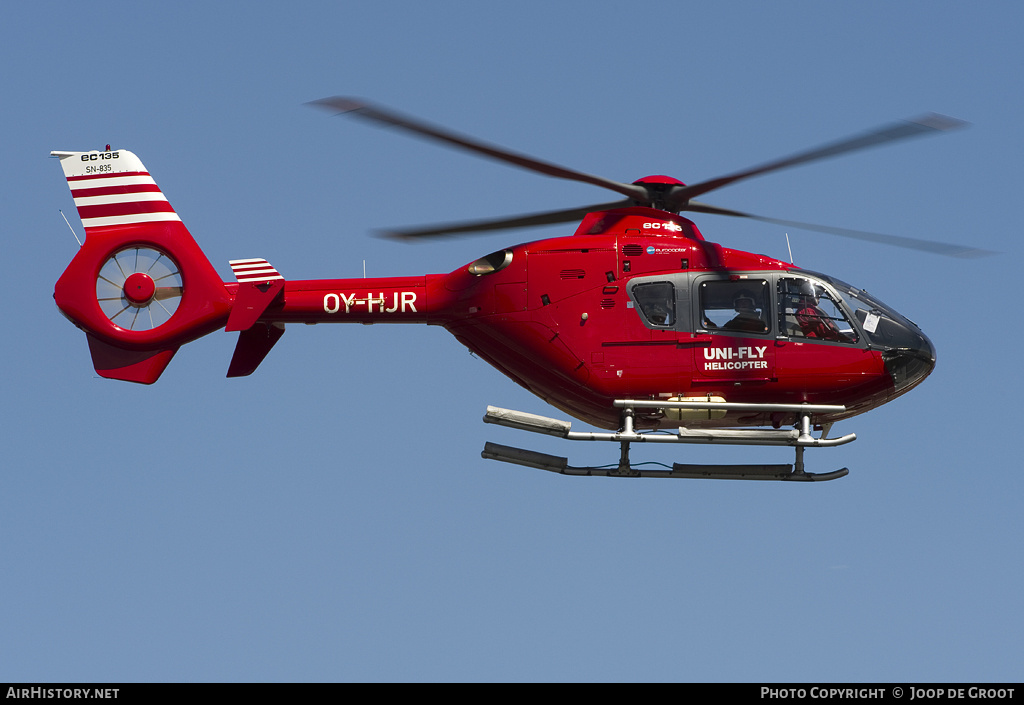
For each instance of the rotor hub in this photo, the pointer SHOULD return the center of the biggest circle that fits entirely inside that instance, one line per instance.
(659, 179)
(660, 190)
(139, 289)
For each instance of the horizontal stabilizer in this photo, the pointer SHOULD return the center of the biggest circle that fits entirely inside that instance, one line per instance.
(259, 286)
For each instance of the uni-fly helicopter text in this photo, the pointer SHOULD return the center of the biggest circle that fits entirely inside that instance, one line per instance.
(634, 323)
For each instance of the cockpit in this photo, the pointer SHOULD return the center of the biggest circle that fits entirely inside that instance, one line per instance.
(796, 305)
(909, 355)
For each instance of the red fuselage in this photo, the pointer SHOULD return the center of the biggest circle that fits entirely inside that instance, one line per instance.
(565, 318)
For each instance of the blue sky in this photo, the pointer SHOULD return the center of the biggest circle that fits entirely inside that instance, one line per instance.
(330, 518)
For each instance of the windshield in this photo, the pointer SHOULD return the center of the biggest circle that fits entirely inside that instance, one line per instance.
(883, 326)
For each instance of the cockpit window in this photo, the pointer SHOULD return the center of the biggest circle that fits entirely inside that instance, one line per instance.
(735, 305)
(808, 310)
(657, 301)
(882, 325)
(494, 262)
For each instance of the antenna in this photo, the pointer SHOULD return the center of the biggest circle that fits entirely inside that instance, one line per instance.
(790, 249)
(69, 225)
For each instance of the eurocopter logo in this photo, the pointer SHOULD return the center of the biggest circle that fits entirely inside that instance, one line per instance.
(741, 358)
(651, 250)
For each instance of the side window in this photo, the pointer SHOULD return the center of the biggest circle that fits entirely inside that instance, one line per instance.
(657, 301)
(807, 310)
(740, 306)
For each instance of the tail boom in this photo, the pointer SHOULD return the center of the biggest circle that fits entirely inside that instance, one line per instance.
(140, 286)
(419, 299)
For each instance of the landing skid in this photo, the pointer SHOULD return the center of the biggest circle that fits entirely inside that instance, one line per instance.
(800, 438)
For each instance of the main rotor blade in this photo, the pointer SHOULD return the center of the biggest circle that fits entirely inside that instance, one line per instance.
(938, 248)
(387, 117)
(523, 221)
(888, 133)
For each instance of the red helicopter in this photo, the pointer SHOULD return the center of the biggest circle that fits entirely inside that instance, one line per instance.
(634, 323)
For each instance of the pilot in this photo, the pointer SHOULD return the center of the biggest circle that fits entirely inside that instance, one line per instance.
(747, 318)
(814, 323)
(658, 313)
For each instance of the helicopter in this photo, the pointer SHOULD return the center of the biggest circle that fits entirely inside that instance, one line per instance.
(633, 324)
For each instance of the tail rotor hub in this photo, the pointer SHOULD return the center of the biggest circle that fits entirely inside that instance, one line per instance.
(139, 289)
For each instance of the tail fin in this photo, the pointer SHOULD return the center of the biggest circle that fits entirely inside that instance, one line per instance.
(140, 286)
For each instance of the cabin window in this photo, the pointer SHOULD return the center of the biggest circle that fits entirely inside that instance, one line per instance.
(657, 302)
(739, 306)
(808, 310)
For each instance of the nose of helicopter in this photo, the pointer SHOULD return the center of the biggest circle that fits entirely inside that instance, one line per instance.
(909, 365)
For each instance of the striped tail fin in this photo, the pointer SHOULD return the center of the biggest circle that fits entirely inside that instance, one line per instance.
(113, 188)
(140, 286)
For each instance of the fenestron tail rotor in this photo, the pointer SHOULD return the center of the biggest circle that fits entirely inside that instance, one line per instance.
(139, 288)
